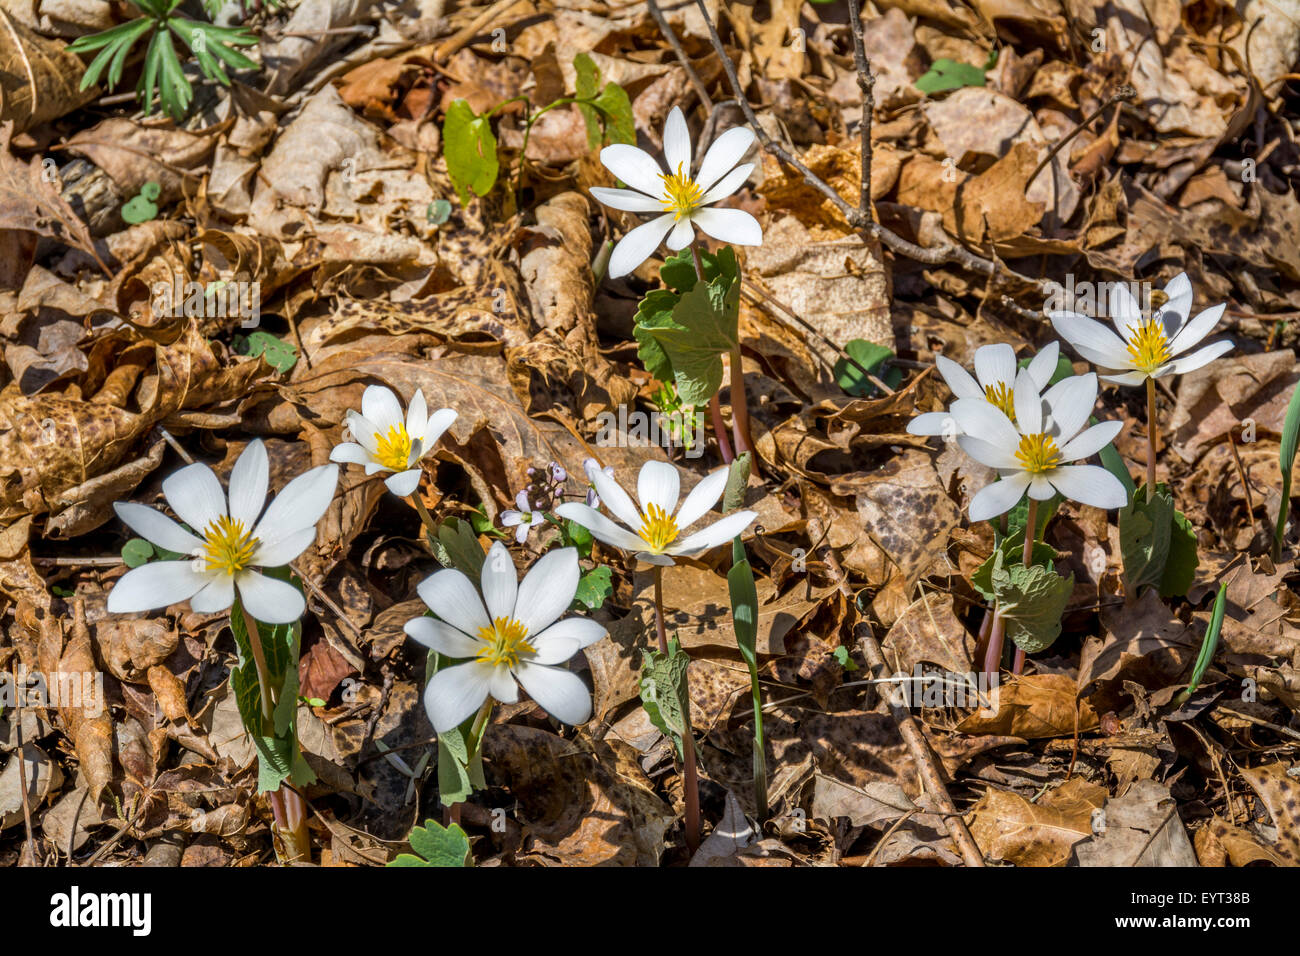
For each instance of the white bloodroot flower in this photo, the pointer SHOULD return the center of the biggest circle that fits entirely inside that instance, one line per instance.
(656, 540)
(1145, 348)
(231, 541)
(994, 382)
(388, 441)
(524, 519)
(512, 633)
(684, 201)
(1034, 453)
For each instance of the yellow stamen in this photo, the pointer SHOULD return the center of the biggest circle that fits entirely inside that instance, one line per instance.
(681, 193)
(228, 546)
(1038, 453)
(1148, 346)
(393, 450)
(505, 642)
(658, 529)
(1004, 398)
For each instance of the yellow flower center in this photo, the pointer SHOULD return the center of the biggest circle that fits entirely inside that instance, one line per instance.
(1149, 346)
(1004, 398)
(229, 548)
(681, 193)
(504, 642)
(658, 529)
(393, 450)
(1038, 453)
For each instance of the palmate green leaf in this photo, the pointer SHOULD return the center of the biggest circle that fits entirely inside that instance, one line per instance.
(945, 74)
(1031, 601)
(1286, 461)
(594, 587)
(114, 46)
(470, 149)
(458, 548)
(870, 356)
(702, 327)
(1157, 544)
(437, 846)
(654, 310)
(1009, 552)
(663, 692)
(460, 773)
(616, 107)
(279, 757)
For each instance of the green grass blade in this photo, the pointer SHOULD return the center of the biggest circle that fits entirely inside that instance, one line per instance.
(1286, 459)
(1209, 644)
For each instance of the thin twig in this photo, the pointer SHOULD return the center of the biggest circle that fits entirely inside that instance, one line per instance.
(671, 36)
(936, 255)
(907, 726)
(866, 83)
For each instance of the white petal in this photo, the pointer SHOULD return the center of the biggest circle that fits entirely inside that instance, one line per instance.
(933, 423)
(442, 637)
(404, 482)
(999, 497)
(248, 483)
(677, 143)
(511, 518)
(995, 364)
(1028, 404)
(567, 636)
(547, 589)
(560, 693)
(153, 585)
(1070, 403)
(600, 527)
(1124, 310)
(658, 484)
(1096, 343)
(727, 150)
(627, 200)
(195, 494)
(270, 600)
(662, 560)
(285, 549)
(701, 498)
(363, 430)
(455, 693)
(638, 245)
(1197, 329)
(451, 596)
(1043, 365)
(975, 416)
(380, 406)
(681, 235)
(618, 501)
(1090, 440)
(217, 595)
(351, 453)
(1089, 484)
(437, 426)
(1040, 489)
(499, 582)
(417, 415)
(961, 382)
(299, 505)
(1173, 314)
(987, 453)
(635, 167)
(728, 184)
(1125, 378)
(720, 532)
(156, 527)
(1201, 357)
(729, 225)
(502, 685)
